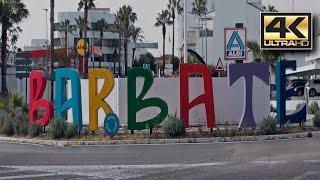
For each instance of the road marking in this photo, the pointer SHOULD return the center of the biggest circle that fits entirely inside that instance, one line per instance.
(305, 175)
(29, 176)
(113, 171)
(312, 161)
(270, 162)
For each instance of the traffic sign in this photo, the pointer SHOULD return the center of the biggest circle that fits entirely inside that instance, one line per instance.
(82, 47)
(23, 65)
(219, 66)
(145, 45)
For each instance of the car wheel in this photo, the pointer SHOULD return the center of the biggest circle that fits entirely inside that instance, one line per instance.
(300, 93)
(313, 93)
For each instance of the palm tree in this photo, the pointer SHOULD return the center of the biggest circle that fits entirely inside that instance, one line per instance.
(126, 17)
(51, 45)
(137, 36)
(65, 28)
(269, 57)
(86, 5)
(163, 20)
(174, 7)
(199, 7)
(270, 8)
(11, 13)
(117, 28)
(80, 25)
(101, 25)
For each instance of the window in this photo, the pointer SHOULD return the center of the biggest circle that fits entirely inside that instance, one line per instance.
(108, 58)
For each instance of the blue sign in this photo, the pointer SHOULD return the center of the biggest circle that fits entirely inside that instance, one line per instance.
(146, 66)
(235, 44)
(111, 124)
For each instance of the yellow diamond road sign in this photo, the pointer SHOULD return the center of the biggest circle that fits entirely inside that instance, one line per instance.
(82, 47)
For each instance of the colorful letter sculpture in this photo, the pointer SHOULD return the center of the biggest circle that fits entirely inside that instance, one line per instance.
(38, 85)
(248, 71)
(206, 98)
(96, 100)
(136, 104)
(283, 94)
(61, 104)
(111, 124)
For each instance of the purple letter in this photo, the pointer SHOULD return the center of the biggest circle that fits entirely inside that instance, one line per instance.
(248, 71)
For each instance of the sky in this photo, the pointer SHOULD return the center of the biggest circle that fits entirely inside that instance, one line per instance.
(35, 26)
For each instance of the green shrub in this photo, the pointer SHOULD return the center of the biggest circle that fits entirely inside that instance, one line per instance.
(173, 127)
(7, 126)
(71, 130)
(313, 108)
(57, 128)
(316, 119)
(268, 126)
(23, 126)
(15, 99)
(34, 130)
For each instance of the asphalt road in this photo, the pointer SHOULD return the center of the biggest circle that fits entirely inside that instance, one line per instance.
(294, 159)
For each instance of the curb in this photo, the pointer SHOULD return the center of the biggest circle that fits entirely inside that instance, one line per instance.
(56, 143)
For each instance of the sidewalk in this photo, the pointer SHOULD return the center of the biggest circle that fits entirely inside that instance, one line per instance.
(58, 143)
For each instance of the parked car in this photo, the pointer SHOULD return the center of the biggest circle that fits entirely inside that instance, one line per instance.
(314, 86)
(298, 85)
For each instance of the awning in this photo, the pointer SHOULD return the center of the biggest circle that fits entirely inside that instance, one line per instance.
(308, 70)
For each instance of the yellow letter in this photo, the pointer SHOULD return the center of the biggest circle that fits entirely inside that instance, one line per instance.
(96, 100)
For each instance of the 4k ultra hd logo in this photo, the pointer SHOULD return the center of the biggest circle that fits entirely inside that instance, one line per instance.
(286, 31)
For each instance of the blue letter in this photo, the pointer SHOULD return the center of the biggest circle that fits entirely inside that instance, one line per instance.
(282, 95)
(61, 104)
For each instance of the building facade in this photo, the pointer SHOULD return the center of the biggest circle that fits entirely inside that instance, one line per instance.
(205, 33)
(110, 42)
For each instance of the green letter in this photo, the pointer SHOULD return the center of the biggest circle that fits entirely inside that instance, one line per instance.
(137, 104)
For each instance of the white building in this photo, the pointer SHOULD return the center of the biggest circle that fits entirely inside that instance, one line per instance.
(109, 38)
(221, 14)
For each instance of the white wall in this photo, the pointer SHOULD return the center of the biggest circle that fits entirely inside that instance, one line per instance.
(229, 101)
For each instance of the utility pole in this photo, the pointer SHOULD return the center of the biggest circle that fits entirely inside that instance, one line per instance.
(47, 47)
(52, 45)
(185, 32)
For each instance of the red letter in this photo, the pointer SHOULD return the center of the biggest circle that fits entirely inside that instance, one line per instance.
(37, 87)
(206, 98)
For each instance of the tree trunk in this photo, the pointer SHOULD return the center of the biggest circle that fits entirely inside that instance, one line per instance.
(101, 37)
(133, 53)
(119, 70)
(125, 46)
(172, 41)
(66, 46)
(164, 54)
(80, 58)
(51, 45)
(4, 38)
(86, 63)
(114, 61)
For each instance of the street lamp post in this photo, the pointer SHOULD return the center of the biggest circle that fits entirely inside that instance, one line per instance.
(46, 11)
